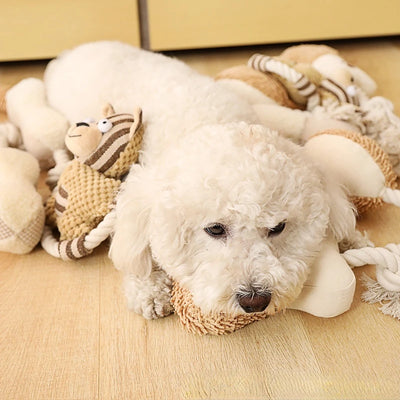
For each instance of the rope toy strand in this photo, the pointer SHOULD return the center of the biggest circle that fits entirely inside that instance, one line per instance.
(300, 82)
(391, 196)
(93, 239)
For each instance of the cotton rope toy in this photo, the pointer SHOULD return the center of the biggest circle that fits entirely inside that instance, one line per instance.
(365, 171)
(81, 205)
(305, 84)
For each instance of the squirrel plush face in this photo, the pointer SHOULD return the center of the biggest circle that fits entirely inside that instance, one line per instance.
(336, 68)
(86, 138)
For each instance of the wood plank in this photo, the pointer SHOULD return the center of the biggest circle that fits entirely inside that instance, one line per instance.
(159, 359)
(179, 24)
(49, 318)
(43, 28)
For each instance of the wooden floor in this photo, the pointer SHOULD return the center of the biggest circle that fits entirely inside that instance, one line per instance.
(65, 331)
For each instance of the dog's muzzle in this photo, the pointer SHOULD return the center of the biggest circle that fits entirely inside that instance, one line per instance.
(254, 301)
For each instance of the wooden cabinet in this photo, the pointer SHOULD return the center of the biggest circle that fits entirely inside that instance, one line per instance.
(33, 29)
(181, 24)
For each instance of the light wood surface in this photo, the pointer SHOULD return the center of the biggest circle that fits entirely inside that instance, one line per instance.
(42, 28)
(65, 331)
(182, 24)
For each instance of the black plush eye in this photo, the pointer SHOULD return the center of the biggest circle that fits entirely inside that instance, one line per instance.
(276, 230)
(216, 230)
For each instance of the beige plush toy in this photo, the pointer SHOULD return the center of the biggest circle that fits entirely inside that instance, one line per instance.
(81, 204)
(41, 128)
(365, 170)
(21, 206)
(278, 103)
(318, 90)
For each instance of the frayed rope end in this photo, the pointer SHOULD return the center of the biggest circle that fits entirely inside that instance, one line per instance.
(376, 293)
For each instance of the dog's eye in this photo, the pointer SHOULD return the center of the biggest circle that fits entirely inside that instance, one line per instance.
(104, 125)
(216, 230)
(276, 230)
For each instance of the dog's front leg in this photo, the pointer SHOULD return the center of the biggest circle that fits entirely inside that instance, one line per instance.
(149, 296)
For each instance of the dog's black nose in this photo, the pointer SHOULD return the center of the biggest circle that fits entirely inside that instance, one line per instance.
(82, 124)
(254, 302)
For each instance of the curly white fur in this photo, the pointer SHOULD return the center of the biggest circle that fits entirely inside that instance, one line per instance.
(204, 162)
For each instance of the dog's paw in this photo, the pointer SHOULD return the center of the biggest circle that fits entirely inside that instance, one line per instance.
(151, 296)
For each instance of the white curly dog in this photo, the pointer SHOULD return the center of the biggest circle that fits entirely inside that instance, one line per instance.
(226, 207)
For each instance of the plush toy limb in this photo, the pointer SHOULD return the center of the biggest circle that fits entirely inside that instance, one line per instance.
(3, 91)
(298, 125)
(43, 128)
(61, 158)
(10, 136)
(21, 208)
(329, 290)
(82, 246)
(289, 123)
(357, 163)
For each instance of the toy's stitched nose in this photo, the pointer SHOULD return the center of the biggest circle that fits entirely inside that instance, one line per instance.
(254, 302)
(82, 124)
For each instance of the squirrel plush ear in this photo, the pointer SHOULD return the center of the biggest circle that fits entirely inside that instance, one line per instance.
(108, 110)
(137, 115)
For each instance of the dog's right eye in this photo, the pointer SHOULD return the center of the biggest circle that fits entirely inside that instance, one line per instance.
(216, 230)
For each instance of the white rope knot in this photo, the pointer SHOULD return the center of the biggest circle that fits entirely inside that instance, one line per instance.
(301, 83)
(386, 259)
(71, 249)
(101, 232)
(391, 196)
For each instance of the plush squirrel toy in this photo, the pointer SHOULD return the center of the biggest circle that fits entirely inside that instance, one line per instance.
(80, 206)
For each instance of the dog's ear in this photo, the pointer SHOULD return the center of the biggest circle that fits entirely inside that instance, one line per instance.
(130, 246)
(342, 215)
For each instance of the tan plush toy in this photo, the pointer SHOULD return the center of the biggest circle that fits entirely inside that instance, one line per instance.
(85, 193)
(39, 128)
(21, 206)
(364, 169)
(309, 88)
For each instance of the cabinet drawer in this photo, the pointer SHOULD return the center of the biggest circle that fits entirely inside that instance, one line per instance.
(179, 24)
(43, 28)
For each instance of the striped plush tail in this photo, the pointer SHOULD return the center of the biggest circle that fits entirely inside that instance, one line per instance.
(81, 246)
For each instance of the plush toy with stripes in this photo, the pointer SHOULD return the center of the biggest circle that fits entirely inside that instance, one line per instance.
(80, 206)
(308, 88)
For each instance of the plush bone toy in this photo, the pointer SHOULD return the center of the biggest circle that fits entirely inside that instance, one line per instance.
(80, 206)
(330, 287)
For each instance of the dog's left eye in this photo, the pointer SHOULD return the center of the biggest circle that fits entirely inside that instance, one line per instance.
(216, 230)
(276, 230)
